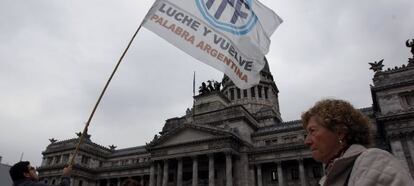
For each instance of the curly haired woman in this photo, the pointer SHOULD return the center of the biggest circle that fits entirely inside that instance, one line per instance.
(339, 136)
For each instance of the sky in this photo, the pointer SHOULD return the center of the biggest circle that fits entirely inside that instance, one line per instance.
(56, 56)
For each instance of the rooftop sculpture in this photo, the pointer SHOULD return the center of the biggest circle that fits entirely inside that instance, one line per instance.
(376, 66)
(410, 44)
(211, 87)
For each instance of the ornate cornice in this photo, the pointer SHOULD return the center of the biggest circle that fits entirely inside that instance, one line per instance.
(123, 167)
(88, 170)
(222, 140)
(391, 86)
(213, 130)
(401, 134)
(81, 149)
(295, 125)
(278, 148)
(396, 116)
(213, 146)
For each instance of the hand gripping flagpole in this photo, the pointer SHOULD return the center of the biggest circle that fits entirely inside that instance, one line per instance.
(85, 130)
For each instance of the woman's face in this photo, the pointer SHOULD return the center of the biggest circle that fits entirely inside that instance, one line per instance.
(323, 142)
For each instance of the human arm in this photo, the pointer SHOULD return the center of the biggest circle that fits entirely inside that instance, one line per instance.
(65, 176)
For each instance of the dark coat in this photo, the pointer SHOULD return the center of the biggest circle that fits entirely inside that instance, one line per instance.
(25, 182)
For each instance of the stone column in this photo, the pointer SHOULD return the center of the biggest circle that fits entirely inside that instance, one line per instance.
(259, 175)
(323, 169)
(118, 182)
(165, 174)
(142, 180)
(229, 167)
(410, 144)
(252, 175)
(195, 171)
(280, 173)
(244, 161)
(397, 150)
(302, 174)
(152, 175)
(108, 182)
(211, 180)
(180, 172)
(72, 181)
(159, 173)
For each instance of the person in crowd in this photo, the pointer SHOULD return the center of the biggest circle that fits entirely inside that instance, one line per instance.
(340, 137)
(23, 174)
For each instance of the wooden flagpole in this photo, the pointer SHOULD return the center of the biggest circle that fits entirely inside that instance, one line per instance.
(85, 130)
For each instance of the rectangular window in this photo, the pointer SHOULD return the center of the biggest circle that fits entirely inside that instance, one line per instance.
(57, 159)
(238, 94)
(65, 158)
(317, 172)
(49, 160)
(408, 99)
(171, 177)
(231, 94)
(259, 89)
(245, 93)
(85, 160)
(252, 92)
(294, 173)
(265, 92)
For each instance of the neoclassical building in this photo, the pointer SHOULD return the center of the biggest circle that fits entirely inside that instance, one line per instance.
(234, 137)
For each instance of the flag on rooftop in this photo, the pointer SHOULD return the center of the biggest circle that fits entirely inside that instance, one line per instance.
(232, 36)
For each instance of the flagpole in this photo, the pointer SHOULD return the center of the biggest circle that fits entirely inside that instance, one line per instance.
(193, 96)
(85, 130)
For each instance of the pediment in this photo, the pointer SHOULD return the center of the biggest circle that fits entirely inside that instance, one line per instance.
(189, 134)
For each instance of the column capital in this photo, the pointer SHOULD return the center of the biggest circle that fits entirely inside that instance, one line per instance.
(210, 155)
(228, 152)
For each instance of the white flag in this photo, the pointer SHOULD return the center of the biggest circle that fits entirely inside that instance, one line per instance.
(229, 35)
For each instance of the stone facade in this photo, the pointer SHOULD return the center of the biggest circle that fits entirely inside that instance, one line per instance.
(4, 174)
(236, 137)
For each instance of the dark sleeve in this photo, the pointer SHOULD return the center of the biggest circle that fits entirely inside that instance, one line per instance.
(65, 181)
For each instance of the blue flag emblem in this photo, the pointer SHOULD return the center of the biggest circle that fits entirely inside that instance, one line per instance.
(232, 16)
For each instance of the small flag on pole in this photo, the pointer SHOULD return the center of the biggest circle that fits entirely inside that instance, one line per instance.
(229, 35)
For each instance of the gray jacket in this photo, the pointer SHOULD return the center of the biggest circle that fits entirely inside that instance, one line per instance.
(367, 167)
(65, 182)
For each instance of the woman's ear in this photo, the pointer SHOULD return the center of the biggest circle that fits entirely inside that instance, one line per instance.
(341, 132)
